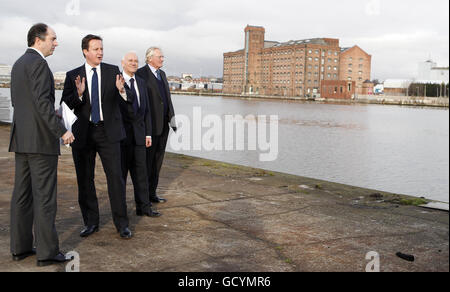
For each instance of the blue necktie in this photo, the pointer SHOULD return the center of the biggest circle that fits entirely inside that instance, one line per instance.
(95, 111)
(158, 74)
(135, 96)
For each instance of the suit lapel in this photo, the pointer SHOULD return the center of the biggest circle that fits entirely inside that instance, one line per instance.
(166, 84)
(141, 88)
(82, 74)
(103, 70)
(153, 82)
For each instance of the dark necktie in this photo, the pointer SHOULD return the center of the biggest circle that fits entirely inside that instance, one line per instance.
(135, 96)
(158, 74)
(95, 103)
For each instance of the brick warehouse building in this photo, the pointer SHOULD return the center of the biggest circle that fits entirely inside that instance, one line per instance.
(293, 68)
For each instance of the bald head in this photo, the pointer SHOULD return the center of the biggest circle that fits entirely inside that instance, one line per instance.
(130, 63)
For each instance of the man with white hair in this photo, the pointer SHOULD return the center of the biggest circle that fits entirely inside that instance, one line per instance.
(162, 116)
(138, 127)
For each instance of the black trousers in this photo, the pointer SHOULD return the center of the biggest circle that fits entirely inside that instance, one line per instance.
(155, 158)
(84, 159)
(34, 202)
(134, 160)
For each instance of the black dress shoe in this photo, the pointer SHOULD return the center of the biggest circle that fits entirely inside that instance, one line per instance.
(150, 213)
(125, 233)
(58, 259)
(89, 230)
(157, 199)
(22, 256)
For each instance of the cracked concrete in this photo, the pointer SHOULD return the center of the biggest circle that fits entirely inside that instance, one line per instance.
(223, 218)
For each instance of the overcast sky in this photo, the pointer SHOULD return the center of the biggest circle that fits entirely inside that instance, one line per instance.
(194, 34)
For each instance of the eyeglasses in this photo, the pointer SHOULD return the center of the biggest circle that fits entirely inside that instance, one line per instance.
(159, 57)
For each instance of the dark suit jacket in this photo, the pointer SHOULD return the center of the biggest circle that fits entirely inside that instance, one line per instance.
(35, 128)
(156, 102)
(137, 126)
(110, 98)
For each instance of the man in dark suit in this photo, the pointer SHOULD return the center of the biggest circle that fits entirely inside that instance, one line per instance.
(94, 91)
(35, 138)
(138, 127)
(162, 116)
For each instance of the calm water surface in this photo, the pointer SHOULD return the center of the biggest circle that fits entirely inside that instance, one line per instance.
(389, 148)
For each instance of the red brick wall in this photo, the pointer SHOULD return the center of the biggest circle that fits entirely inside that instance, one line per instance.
(337, 89)
(294, 69)
(355, 65)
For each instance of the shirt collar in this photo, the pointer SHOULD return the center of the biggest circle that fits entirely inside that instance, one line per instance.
(153, 69)
(89, 68)
(40, 53)
(128, 77)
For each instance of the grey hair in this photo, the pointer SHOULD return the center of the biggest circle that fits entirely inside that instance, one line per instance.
(150, 52)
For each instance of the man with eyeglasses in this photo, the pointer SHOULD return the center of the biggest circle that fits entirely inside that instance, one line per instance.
(162, 113)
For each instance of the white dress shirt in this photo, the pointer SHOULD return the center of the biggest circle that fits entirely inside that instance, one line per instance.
(136, 87)
(40, 53)
(153, 70)
(89, 74)
(127, 81)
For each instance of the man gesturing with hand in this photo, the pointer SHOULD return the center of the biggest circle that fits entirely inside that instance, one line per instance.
(94, 91)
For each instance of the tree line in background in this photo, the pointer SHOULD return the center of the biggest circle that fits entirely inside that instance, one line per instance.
(428, 90)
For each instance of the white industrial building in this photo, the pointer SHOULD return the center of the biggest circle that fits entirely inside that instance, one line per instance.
(429, 72)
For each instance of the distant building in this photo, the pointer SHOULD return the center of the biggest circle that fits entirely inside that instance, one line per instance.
(429, 72)
(5, 74)
(60, 78)
(338, 89)
(355, 65)
(378, 89)
(367, 88)
(187, 76)
(396, 87)
(293, 68)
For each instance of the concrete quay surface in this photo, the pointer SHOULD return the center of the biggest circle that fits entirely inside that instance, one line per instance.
(225, 218)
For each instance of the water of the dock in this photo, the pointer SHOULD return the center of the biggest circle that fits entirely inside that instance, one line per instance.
(221, 217)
